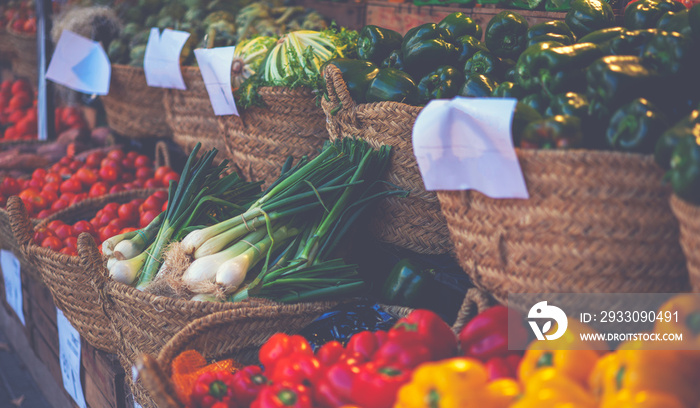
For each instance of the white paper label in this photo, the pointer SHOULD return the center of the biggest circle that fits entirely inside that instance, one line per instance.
(466, 143)
(161, 62)
(215, 65)
(13, 282)
(80, 64)
(137, 405)
(69, 356)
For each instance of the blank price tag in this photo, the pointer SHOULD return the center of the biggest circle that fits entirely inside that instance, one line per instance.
(80, 64)
(13, 282)
(161, 62)
(69, 357)
(215, 65)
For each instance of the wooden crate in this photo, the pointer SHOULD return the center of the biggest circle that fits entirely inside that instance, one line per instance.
(103, 378)
(347, 14)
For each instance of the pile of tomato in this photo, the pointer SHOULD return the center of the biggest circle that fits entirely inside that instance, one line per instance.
(113, 219)
(70, 181)
(19, 15)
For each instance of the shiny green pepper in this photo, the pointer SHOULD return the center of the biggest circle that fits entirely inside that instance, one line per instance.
(425, 48)
(478, 86)
(684, 175)
(558, 132)
(392, 85)
(407, 285)
(460, 24)
(587, 16)
(442, 83)
(636, 127)
(570, 103)
(506, 34)
(467, 46)
(689, 126)
(646, 13)
(376, 43)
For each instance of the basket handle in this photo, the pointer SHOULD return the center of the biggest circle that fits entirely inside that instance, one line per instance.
(91, 261)
(157, 383)
(19, 221)
(162, 154)
(337, 89)
(475, 302)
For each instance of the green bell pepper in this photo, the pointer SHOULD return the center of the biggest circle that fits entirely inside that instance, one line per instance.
(394, 60)
(392, 85)
(407, 285)
(596, 124)
(689, 126)
(672, 54)
(601, 36)
(509, 75)
(635, 127)
(677, 21)
(561, 69)
(467, 46)
(525, 74)
(537, 101)
(631, 42)
(425, 48)
(478, 86)
(570, 104)
(587, 16)
(617, 79)
(443, 83)
(523, 115)
(646, 13)
(550, 31)
(357, 74)
(694, 21)
(458, 25)
(376, 43)
(508, 90)
(558, 132)
(483, 62)
(506, 34)
(684, 175)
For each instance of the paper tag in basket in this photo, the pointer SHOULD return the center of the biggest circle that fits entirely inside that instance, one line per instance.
(69, 356)
(466, 143)
(80, 64)
(13, 282)
(161, 62)
(215, 65)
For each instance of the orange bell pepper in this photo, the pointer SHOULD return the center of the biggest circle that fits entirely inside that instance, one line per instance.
(548, 388)
(576, 365)
(642, 399)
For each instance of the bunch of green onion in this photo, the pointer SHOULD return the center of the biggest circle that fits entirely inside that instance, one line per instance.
(296, 227)
(202, 197)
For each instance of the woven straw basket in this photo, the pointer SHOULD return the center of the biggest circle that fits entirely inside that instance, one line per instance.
(218, 337)
(688, 216)
(7, 50)
(261, 139)
(596, 222)
(25, 60)
(416, 222)
(190, 115)
(67, 278)
(133, 108)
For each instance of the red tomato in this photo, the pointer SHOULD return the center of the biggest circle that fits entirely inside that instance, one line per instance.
(41, 233)
(165, 207)
(43, 214)
(144, 173)
(53, 243)
(74, 166)
(116, 188)
(65, 161)
(27, 193)
(147, 217)
(137, 184)
(67, 196)
(93, 159)
(109, 173)
(137, 202)
(78, 198)
(152, 183)
(83, 226)
(128, 163)
(95, 225)
(64, 231)
(36, 183)
(127, 177)
(52, 225)
(29, 207)
(18, 86)
(116, 154)
(69, 251)
(71, 242)
(9, 187)
(143, 161)
(86, 176)
(127, 229)
(103, 220)
(50, 196)
(161, 172)
(52, 177)
(152, 203)
(170, 176)
(98, 189)
(128, 186)
(39, 174)
(107, 162)
(39, 202)
(132, 155)
(128, 212)
(160, 195)
(108, 232)
(72, 185)
(111, 208)
(59, 205)
(64, 172)
(118, 223)
(52, 187)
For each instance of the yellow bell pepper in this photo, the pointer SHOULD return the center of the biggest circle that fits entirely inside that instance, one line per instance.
(548, 388)
(455, 383)
(684, 311)
(571, 340)
(576, 365)
(642, 399)
(655, 371)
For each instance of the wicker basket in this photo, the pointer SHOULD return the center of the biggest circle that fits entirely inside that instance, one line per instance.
(595, 222)
(133, 108)
(190, 115)
(261, 139)
(416, 222)
(7, 50)
(25, 61)
(688, 216)
(231, 334)
(67, 278)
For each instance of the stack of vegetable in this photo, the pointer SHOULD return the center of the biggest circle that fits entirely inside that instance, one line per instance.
(292, 236)
(19, 16)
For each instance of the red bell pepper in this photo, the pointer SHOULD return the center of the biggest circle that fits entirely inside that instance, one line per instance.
(247, 383)
(405, 355)
(376, 386)
(214, 388)
(330, 353)
(297, 368)
(284, 395)
(427, 328)
(486, 335)
(503, 367)
(334, 387)
(279, 346)
(364, 343)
